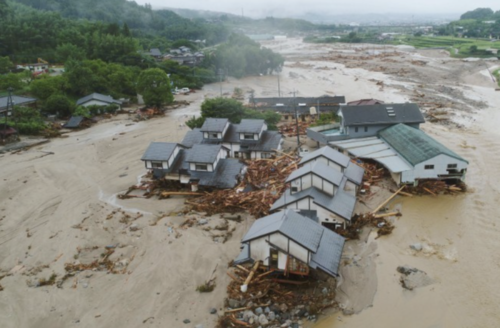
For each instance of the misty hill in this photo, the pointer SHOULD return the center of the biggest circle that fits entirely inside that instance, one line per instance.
(481, 13)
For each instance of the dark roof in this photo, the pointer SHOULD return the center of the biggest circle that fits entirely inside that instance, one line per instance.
(364, 102)
(382, 114)
(203, 153)
(159, 151)
(17, 100)
(309, 101)
(329, 153)
(414, 145)
(225, 175)
(99, 97)
(325, 245)
(250, 126)
(155, 52)
(74, 122)
(289, 223)
(342, 204)
(329, 253)
(192, 138)
(354, 173)
(6, 130)
(214, 125)
(269, 141)
(320, 169)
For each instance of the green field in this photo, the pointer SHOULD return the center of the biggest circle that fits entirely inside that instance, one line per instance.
(462, 45)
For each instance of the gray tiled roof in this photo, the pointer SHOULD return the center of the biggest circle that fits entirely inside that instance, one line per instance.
(329, 153)
(99, 97)
(192, 138)
(354, 173)
(407, 113)
(329, 253)
(342, 204)
(225, 175)
(320, 169)
(203, 153)
(155, 52)
(269, 141)
(74, 122)
(214, 125)
(414, 145)
(17, 100)
(325, 245)
(159, 151)
(291, 224)
(250, 126)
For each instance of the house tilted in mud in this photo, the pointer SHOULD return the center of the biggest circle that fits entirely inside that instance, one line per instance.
(390, 135)
(206, 166)
(249, 139)
(290, 243)
(324, 188)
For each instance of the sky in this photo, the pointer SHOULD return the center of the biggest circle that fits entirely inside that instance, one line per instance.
(256, 8)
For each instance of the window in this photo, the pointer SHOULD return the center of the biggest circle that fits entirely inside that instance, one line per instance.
(356, 129)
(201, 167)
(294, 189)
(265, 155)
(452, 166)
(156, 165)
(429, 167)
(248, 136)
(214, 136)
(366, 129)
(237, 154)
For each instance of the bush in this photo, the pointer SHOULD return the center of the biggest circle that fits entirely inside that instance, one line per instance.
(59, 105)
(28, 121)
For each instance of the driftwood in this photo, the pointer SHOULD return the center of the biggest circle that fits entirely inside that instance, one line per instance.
(387, 201)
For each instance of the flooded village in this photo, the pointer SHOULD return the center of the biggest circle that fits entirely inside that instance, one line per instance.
(384, 218)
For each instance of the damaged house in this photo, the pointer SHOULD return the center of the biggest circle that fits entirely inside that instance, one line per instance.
(324, 188)
(293, 244)
(205, 166)
(249, 139)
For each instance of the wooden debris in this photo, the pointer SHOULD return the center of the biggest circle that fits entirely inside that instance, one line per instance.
(436, 187)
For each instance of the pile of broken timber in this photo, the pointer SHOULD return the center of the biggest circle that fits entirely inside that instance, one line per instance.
(263, 184)
(436, 187)
(279, 293)
(373, 173)
(290, 129)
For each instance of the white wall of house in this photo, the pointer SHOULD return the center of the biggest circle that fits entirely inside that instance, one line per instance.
(210, 167)
(233, 147)
(327, 162)
(309, 180)
(299, 252)
(174, 156)
(435, 166)
(303, 204)
(255, 136)
(279, 240)
(259, 250)
(149, 164)
(282, 259)
(212, 135)
(95, 103)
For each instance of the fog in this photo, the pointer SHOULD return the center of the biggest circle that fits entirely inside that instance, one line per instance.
(262, 8)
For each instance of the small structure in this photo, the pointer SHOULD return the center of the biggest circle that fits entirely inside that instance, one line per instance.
(76, 122)
(97, 99)
(38, 67)
(250, 139)
(202, 165)
(408, 153)
(293, 244)
(366, 121)
(306, 108)
(365, 102)
(325, 188)
(155, 53)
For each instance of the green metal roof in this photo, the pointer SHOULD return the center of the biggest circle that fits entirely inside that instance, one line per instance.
(414, 145)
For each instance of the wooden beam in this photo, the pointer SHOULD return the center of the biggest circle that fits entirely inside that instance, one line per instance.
(250, 276)
(387, 201)
(379, 216)
(430, 191)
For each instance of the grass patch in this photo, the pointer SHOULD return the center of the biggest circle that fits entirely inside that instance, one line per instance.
(206, 287)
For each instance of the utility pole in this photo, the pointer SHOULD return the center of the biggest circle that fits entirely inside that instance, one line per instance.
(296, 121)
(10, 105)
(221, 71)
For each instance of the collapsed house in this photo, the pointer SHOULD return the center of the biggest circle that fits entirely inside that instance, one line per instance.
(324, 188)
(205, 166)
(250, 139)
(290, 243)
(306, 108)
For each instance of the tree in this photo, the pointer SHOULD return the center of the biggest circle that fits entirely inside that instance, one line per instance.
(219, 107)
(154, 85)
(126, 31)
(67, 51)
(59, 105)
(5, 65)
(44, 87)
(479, 13)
